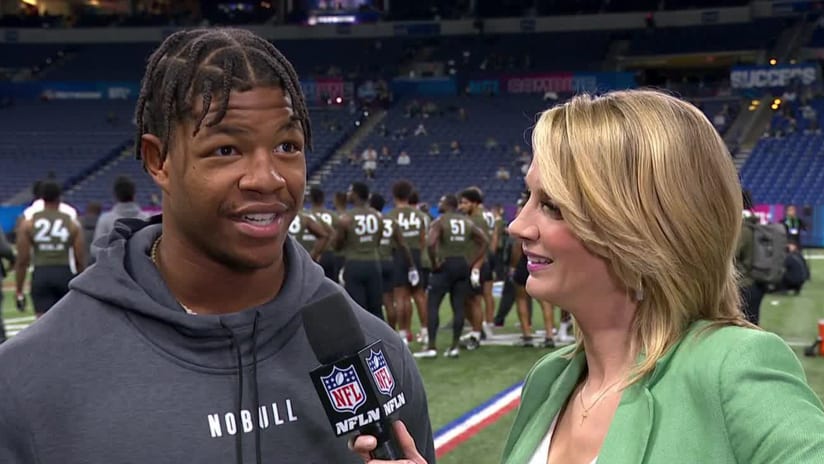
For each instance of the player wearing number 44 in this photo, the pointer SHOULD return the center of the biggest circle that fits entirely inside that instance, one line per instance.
(45, 240)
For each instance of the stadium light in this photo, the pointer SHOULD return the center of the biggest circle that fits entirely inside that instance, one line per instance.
(774, 106)
(773, 61)
(777, 101)
(755, 102)
(752, 107)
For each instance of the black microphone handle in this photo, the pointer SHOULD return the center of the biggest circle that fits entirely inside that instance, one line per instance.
(387, 447)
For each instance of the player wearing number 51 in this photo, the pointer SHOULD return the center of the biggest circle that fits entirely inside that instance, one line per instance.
(46, 239)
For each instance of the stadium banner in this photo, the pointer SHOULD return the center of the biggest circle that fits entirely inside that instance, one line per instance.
(45, 90)
(321, 90)
(561, 83)
(425, 86)
(773, 77)
(8, 217)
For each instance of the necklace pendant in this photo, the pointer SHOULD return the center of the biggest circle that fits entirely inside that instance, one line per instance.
(583, 416)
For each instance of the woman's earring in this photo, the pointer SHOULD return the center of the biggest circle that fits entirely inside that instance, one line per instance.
(639, 293)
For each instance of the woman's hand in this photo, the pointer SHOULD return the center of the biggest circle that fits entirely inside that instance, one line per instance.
(364, 444)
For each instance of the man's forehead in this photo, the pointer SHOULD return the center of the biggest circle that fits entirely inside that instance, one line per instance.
(256, 98)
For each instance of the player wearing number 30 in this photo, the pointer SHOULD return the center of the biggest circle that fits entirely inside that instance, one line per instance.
(47, 237)
(358, 236)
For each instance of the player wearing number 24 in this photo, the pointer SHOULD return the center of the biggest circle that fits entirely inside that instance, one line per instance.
(46, 240)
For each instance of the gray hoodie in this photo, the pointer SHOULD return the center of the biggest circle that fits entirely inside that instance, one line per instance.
(105, 224)
(117, 372)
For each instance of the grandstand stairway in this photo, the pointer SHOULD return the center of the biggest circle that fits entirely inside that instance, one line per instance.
(375, 117)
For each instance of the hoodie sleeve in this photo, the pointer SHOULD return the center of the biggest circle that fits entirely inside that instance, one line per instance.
(415, 415)
(103, 228)
(16, 439)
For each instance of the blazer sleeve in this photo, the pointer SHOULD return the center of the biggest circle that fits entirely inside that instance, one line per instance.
(771, 414)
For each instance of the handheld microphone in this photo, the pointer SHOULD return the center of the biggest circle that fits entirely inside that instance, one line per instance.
(355, 382)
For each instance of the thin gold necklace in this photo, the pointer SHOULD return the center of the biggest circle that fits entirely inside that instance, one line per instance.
(600, 396)
(154, 260)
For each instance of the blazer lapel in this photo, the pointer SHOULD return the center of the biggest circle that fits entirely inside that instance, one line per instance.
(628, 436)
(560, 386)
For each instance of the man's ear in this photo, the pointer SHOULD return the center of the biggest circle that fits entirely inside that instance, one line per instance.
(151, 152)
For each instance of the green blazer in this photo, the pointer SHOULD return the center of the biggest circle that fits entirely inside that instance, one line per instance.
(720, 395)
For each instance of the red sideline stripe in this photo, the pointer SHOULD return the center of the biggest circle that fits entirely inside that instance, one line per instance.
(472, 431)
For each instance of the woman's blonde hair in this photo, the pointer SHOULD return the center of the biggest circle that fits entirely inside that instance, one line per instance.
(644, 181)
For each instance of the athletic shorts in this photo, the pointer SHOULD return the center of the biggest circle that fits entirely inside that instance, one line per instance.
(387, 275)
(402, 269)
(486, 276)
(48, 285)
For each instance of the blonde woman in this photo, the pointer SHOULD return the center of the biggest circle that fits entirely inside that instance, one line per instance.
(632, 226)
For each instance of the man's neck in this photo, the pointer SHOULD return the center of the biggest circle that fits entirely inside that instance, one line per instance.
(401, 204)
(208, 287)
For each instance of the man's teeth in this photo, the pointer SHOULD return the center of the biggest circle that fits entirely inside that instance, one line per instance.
(262, 219)
(536, 260)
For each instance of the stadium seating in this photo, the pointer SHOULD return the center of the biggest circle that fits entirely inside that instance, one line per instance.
(14, 55)
(69, 139)
(786, 171)
(104, 62)
(518, 52)
(331, 125)
(507, 119)
(759, 34)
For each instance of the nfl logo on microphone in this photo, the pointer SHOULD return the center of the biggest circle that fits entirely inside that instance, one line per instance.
(344, 389)
(380, 372)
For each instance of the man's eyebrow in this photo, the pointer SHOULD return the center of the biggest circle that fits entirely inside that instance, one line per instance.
(226, 129)
(294, 123)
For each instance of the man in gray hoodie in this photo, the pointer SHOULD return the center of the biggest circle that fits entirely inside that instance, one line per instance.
(184, 342)
(125, 207)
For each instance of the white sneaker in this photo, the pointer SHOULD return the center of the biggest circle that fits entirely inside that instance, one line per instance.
(452, 352)
(487, 328)
(470, 342)
(426, 354)
(565, 339)
(423, 338)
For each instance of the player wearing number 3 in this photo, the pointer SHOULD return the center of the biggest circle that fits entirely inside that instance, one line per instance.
(47, 237)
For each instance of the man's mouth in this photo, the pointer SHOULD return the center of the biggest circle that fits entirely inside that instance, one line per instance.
(261, 219)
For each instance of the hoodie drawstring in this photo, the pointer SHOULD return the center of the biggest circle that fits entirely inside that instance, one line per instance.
(239, 401)
(255, 388)
(255, 392)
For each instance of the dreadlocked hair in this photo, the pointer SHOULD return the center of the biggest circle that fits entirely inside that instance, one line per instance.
(208, 64)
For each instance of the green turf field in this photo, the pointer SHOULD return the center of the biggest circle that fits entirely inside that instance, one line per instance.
(454, 386)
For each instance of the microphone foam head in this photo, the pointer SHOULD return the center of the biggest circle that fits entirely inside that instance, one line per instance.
(332, 328)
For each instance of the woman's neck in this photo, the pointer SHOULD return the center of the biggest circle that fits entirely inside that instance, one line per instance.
(608, 342)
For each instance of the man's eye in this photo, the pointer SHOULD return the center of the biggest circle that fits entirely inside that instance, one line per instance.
(226, 150)
(287, 147)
